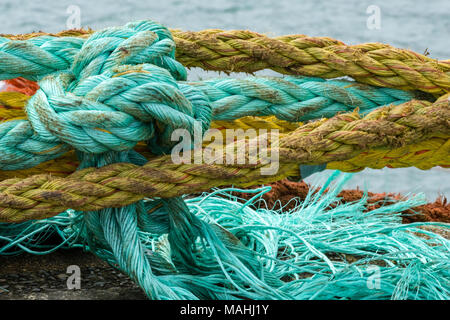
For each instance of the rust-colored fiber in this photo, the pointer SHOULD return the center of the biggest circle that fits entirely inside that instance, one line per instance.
(21, 85)
(284, 191)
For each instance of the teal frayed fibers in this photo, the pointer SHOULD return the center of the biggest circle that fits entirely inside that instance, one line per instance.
(297, 254)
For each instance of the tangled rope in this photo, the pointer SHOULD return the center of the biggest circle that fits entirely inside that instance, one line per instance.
(105, 95)
(339, 138)
(320, 248)
(291, 99)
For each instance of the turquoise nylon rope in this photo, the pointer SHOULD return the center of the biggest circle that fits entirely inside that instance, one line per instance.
(24, 145)
(200, 258)
(98, 71)
(41, 56)
(120, 98)
(294, 98)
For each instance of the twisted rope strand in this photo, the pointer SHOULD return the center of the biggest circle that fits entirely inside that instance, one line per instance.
(245, 51)
(423, 155)
(121, 88)
(294, 98)
(339, 138)
(291, 99)
(372, 63)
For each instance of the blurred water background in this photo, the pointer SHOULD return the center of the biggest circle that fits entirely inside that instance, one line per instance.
(415, 25)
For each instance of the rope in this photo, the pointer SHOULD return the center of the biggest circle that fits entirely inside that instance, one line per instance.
(245, 51)
(372, 63)
(423, 155)
(319, 250)
(68, 162)
(286, 195)
(104, 95)
(138, 60)
(291, 99)
(11, 105)
(339, 138)
(294, 98)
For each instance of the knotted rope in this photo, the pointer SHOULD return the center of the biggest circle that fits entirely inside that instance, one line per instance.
(291, 98)
(94, 108)
(114, 95)
(339, 138)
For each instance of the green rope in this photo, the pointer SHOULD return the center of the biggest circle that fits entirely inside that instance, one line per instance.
(302, 252)
(124, 105)
(122, 87)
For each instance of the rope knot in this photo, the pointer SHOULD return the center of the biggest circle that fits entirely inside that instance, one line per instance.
(120, 89)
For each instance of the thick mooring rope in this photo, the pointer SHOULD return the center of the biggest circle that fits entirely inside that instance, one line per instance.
(229, 99)
(339, 138)
(424, 155)
(105, 94)
(246, 51)
(290, 98)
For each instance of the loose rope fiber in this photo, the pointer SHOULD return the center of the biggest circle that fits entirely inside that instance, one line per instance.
(245, 51)
(319, 249)
(287, 195)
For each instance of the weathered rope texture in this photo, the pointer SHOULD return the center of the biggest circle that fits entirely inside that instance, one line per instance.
(245, 51)
(372, 63)
(290, 98)
(424, 155)
(121, 89)
(339, 138)
(319, 249)
(287, 195)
